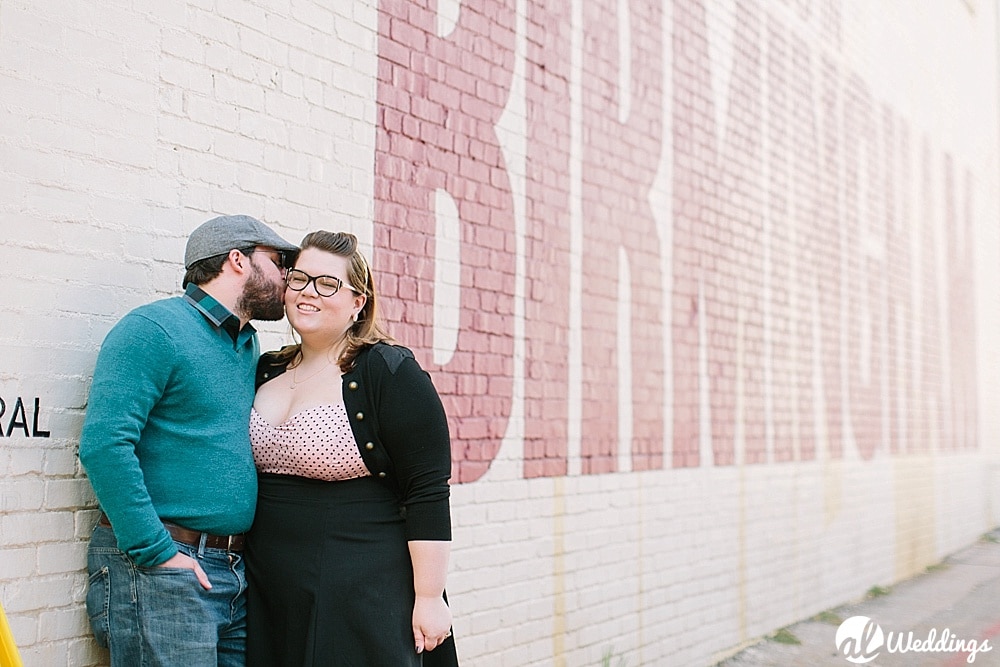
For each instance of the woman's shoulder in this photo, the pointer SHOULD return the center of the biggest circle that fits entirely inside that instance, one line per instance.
(280, 357)
(391, 354)
(274, 363)
(381, 358)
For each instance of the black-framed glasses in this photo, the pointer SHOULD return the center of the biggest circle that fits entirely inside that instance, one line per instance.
(325, 285)
(279, 258)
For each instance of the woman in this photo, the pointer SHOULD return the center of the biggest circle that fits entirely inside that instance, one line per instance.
(347, 558)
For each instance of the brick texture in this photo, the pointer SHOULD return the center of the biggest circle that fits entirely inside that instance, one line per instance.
(707, 288)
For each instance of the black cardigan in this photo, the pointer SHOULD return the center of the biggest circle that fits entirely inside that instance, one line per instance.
(401, 431)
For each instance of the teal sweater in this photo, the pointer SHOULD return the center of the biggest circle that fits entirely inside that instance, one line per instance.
(166, 430)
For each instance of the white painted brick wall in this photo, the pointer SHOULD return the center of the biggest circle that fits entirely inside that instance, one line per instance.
(126, 126)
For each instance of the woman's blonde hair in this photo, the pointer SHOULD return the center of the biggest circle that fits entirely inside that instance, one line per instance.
(367, 330)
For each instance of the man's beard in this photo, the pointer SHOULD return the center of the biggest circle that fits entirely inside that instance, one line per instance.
(261, 299)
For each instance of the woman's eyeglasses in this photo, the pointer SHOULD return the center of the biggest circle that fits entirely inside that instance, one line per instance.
(325, 285)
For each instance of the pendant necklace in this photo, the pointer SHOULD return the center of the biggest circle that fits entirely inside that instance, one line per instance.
(296, 382)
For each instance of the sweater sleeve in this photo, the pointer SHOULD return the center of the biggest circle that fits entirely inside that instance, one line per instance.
(132, 371)
(414, 429)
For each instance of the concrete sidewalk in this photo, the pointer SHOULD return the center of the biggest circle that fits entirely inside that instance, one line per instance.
(959, 601)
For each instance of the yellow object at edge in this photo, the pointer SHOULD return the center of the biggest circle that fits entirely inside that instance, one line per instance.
(9, 656)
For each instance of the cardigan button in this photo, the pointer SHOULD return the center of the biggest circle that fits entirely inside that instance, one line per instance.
(359, 416)
(369, 446)
(381, 475)
(352, 385)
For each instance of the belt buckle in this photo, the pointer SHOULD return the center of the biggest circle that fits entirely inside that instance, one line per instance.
(229, 542)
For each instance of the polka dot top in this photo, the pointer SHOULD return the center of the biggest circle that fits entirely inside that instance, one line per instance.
(315, 443)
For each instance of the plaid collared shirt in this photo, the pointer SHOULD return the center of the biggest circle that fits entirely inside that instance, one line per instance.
(218, 314)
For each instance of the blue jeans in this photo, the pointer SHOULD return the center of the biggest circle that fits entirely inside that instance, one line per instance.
(162, 617)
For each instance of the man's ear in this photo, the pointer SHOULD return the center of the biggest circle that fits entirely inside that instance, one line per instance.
(238, 262)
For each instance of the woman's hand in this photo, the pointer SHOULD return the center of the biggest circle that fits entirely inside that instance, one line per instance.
(184, 562)
(431, 622)
(431, 615)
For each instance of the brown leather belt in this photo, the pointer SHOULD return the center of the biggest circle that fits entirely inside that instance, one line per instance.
(193, 537)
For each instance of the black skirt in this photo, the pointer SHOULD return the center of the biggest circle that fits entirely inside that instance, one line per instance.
(329, 577)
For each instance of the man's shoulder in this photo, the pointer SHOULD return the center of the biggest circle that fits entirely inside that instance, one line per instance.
(168, 308)
(167, 315)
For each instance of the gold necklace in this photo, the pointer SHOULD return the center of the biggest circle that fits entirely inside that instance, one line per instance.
(296, 382)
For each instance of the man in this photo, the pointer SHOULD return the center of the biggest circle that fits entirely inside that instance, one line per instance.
(166, 447)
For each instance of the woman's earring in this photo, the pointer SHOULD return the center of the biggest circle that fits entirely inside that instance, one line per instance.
(355, 316)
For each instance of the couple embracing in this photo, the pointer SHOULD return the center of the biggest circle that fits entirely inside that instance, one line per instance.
(290, 508)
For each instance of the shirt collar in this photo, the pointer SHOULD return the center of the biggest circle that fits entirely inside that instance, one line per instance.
(217, 314)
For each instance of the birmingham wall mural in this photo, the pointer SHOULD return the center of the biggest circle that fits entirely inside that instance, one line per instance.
(729, 249)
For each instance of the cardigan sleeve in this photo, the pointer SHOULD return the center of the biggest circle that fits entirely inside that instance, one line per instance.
(413, 428)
